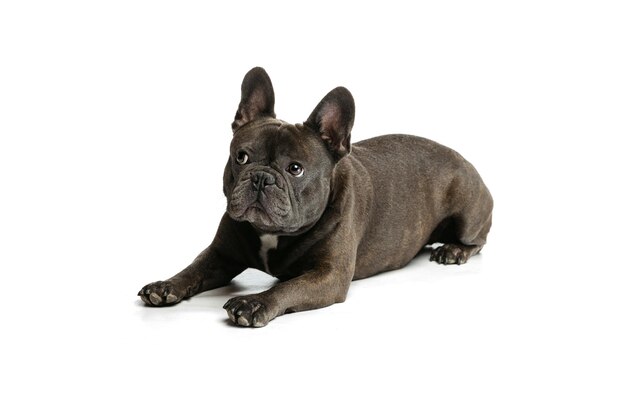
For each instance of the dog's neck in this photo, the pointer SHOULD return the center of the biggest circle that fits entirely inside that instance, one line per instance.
(268, 242)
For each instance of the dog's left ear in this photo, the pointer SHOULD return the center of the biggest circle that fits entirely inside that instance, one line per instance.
(332, 119)
(257, 98)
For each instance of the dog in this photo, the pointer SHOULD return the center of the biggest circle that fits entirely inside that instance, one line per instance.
(310, 208)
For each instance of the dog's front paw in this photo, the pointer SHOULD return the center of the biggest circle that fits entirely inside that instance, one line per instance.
(162, 293)
(249, 310)
(449, 254)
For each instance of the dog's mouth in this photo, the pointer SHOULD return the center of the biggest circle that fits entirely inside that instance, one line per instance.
(257, 211)
(260, 218)
(268, 208)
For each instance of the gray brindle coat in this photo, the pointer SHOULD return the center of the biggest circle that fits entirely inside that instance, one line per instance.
(310, 208)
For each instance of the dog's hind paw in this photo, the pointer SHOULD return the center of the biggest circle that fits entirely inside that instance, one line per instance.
(450, 254)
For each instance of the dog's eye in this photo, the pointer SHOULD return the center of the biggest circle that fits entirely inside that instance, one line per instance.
(242, 157)
(295, 169)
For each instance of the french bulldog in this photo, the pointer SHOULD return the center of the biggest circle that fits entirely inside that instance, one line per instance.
(307, 206)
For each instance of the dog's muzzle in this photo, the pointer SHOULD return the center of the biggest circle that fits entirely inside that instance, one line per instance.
(260, 179)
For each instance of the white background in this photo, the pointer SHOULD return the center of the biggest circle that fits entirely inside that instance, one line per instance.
(114, 128)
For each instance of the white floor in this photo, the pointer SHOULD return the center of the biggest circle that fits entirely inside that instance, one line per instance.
(511, 333)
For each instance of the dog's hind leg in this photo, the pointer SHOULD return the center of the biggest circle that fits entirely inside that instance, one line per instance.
(466, 231)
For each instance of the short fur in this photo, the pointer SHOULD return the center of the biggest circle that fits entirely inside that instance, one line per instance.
(355, 210)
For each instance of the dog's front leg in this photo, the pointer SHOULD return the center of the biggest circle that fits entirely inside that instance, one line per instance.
(214, 267)
(315, 289)
(208, 271)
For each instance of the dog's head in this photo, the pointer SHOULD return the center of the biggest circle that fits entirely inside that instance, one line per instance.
(278, 176)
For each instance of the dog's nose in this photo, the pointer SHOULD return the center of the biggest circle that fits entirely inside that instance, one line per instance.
(261, 179)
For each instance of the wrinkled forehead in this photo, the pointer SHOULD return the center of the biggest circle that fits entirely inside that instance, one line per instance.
(274, 136)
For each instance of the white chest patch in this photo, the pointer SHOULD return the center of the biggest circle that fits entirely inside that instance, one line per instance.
(268, 242)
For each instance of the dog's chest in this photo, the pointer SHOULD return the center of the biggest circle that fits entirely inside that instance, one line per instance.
(268, 242)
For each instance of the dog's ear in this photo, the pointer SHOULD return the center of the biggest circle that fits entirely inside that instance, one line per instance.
(257, 98)
(332, 119)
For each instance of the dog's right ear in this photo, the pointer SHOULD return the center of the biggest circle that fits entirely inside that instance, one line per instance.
(257, 98)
